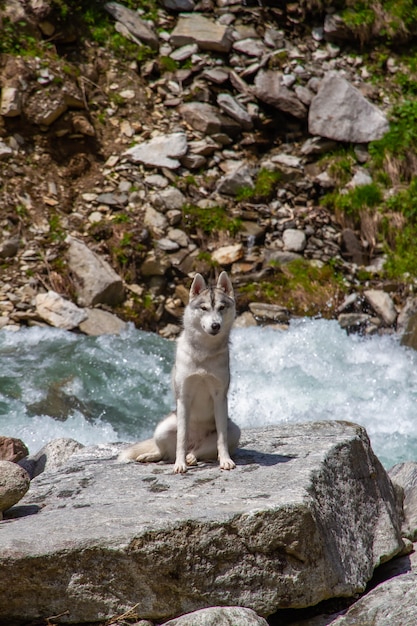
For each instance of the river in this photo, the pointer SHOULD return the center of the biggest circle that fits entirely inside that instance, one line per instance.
(115, 388)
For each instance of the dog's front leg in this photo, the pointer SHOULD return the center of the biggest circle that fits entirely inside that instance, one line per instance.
(221, 417)
(182, 418)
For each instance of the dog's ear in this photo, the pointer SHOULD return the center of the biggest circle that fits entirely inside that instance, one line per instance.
(225, 284)
(198, 285)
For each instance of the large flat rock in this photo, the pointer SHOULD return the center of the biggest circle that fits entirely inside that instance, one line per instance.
(306, 515)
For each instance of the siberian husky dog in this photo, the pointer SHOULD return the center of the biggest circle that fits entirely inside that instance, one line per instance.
(200, 428)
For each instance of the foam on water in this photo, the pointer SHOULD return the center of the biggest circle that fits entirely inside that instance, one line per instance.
(116, 388)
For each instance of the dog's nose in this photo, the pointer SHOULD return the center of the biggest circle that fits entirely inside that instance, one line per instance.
(215, 327)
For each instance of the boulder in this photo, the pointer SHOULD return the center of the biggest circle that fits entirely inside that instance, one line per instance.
(405, 475)
(270, 89)
(96, 281)
(220, 616)
(235, 110)
(12, 449)
(58, 312)
(101, 322)
(206, 119)
(50, 456)
(14, 483)
(407, 323)
(307, 514)
(391, 602)
(339, 111)
(206, 33)
(134, 24)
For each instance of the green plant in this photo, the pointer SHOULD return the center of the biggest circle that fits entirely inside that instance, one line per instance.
(121, 218)
(355, 200)
(300, 286)
(56, 232)
(210, 220)
(17, 38)
(396, 152)
(265, 184)
(166, 64)
(402, 255)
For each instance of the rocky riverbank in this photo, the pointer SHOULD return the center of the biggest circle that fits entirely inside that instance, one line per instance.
(193, 141)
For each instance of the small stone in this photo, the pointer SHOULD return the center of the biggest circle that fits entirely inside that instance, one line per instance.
(268, 313)
(12, 449)
(161, 151)
(294, 240)
(14, 483)
(382, 304)
(226, 255)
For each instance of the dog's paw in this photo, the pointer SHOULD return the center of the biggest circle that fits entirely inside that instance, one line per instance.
(191, 459)
(180, 468)
(227, 464)
(148, 458)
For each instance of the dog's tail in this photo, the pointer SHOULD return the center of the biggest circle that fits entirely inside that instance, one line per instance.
(144, 451)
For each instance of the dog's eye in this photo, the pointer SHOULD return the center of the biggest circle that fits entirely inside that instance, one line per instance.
(203, 307)
(221, 307)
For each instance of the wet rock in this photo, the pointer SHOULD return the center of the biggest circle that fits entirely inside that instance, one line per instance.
(382, 304)
(339, 111)
(14, 483)
(354, 322)
(59, 312)
(407, 323)
(269, 313)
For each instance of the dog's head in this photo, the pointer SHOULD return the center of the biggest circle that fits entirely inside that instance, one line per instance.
(212, 308)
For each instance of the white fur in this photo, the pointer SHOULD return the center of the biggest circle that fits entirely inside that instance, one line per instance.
(200, 429)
